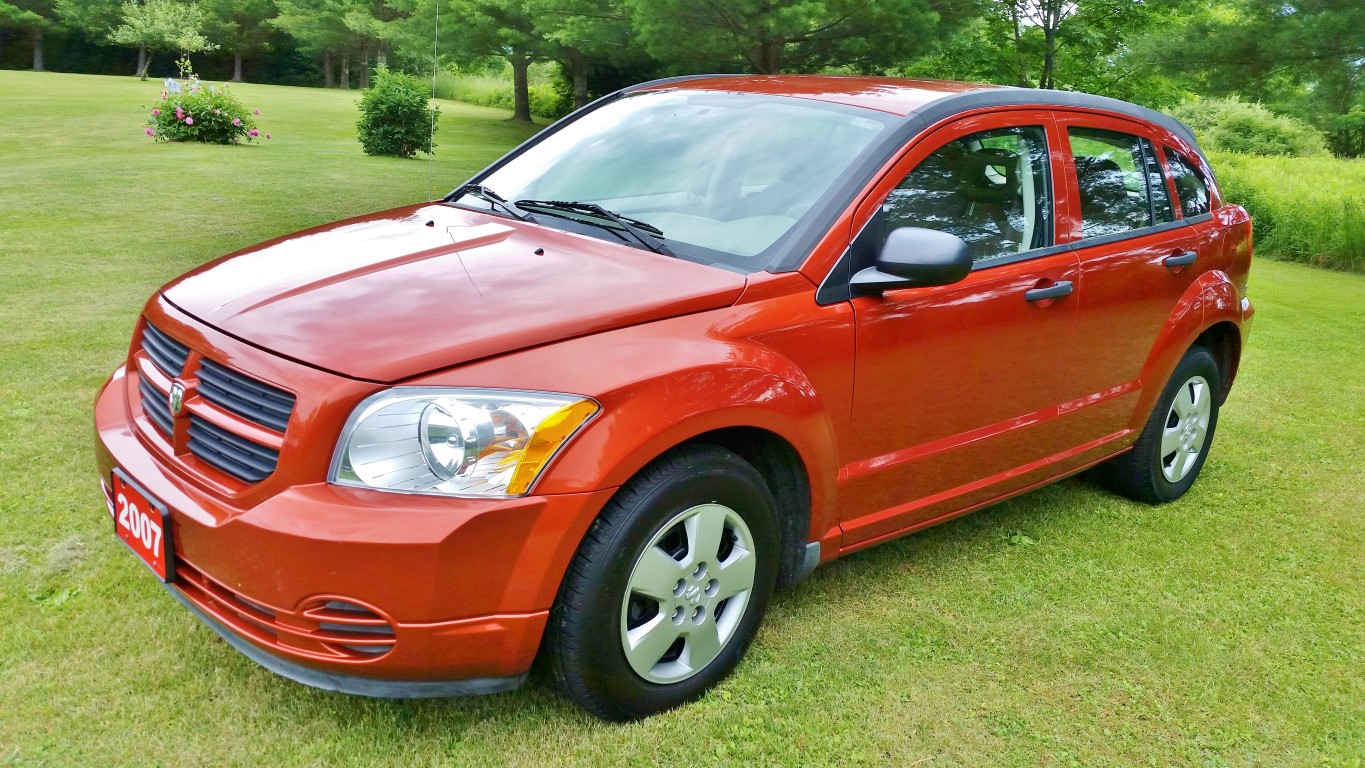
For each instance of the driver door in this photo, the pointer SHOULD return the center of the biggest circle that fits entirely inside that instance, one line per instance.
(960, 390)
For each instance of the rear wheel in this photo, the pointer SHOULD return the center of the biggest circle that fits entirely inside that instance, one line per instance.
(1170, 452)
(668, 587)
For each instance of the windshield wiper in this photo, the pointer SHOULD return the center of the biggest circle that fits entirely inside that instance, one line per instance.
(648, 235)
(492, 198)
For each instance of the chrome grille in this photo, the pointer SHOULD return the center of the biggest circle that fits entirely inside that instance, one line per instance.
(156, 405)
(245, 397)
(233, 454)
(166, 353)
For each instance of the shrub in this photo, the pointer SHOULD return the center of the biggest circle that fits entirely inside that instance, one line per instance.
(1310, 210)
(197, 111)
(396, 117)
(1230, 125)
(495, 90)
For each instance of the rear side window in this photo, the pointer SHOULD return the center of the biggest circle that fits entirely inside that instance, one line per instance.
(1189, 184)
(1120, 184)
(990, 188)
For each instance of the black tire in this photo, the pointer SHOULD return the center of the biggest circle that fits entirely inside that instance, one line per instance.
(1141, 474)
(584, 647)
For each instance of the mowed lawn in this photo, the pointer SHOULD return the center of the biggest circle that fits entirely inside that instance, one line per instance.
(1066, 627)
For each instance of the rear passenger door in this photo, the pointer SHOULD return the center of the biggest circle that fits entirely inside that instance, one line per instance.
(1137, 254)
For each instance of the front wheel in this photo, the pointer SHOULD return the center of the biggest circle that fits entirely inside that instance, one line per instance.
(1174, 443)
(668, 587)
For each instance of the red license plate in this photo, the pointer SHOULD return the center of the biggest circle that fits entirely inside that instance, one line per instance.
(143, 524)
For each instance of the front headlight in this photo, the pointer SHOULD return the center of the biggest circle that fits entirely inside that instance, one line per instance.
(455, 442)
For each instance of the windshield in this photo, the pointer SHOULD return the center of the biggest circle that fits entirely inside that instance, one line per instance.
(724, 176)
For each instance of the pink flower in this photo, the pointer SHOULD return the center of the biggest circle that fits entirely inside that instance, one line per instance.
(216, 112)
(151, 132)
(236, 121)
(189, 121)
(163, 94)
(253, 133)
(255, 111)
(267, 135)
(156, 113)
(179, 113)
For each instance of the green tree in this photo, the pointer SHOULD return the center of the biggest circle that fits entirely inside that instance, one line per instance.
(345, 29)
(585, 33)
(242, 26)
(32, 16)
(771, 36)
(1300, 57)
(160, 25)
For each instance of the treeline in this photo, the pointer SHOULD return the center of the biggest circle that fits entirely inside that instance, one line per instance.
(1302, 58)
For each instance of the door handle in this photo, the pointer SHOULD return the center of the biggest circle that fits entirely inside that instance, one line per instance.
(1180, 259)
(1055, 291)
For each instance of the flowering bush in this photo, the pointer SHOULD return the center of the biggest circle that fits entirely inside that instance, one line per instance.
(198, 111)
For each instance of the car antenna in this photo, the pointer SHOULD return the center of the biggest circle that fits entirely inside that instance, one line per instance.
(431, 137)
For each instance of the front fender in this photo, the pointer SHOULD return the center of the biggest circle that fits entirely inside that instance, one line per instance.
(705, 387)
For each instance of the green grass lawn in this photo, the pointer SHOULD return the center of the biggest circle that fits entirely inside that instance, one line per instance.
(1066, 627)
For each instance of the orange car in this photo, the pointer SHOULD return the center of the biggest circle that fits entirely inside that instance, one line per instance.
(673, 352)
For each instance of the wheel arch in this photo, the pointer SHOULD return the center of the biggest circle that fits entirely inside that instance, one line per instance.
(785, 473)
(1224, 340)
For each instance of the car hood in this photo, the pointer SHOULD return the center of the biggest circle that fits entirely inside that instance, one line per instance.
(403, 292)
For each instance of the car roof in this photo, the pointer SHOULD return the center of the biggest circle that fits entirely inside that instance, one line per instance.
(924, 101)
(884, 94)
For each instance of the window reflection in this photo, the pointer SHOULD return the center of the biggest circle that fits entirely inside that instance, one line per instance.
(990, 189)
(1189, 184)
(1115, 195)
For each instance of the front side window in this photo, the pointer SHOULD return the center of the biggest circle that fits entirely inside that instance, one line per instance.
(724, 176)
(1189, 184)
(990, 188)
(1119, 190)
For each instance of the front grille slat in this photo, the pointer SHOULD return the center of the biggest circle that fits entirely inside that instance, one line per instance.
(166, 353)
(230, 453)
(242, 404)
(156, 406)
(245, 397)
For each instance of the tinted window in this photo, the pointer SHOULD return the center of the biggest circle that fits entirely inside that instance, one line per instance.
(991, 189)
(1116, 196)
(1156, 181)
(1189, 184)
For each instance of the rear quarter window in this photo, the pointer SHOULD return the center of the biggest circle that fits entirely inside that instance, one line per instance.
(1190, 186)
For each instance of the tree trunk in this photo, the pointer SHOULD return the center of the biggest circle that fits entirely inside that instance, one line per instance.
(328, 81)
(365, 67)
(1020, 75)
(37, 49)
(521, 89)
(768, 56)
(578, 69)
(142, 59)
(1049, 58)
(236, 65)
(381, 57)
(346, 71)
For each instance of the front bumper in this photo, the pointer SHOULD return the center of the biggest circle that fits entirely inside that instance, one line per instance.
(457, 591)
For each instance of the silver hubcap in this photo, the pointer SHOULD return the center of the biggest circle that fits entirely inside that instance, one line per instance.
(687, 593)
(1187, 429)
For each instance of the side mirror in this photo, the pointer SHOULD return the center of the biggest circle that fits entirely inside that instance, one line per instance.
(913, 257)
